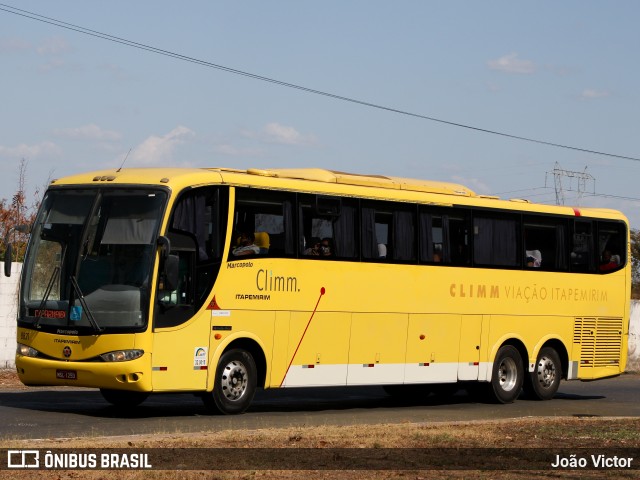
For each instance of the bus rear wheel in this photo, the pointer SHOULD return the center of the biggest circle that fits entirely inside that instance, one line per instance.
(507, 375)
(543, 382)
(235, 383)
(123, 398)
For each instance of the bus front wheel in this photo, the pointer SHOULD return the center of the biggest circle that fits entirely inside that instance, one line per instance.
(235, 383)
(543, 382)
(507, 375)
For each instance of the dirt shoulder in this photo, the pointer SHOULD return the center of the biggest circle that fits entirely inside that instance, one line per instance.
(554, 434)
(9, 380)
(468, 444)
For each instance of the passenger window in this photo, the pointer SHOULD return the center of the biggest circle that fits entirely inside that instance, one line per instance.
(327, 227)
(263, 224)
(611, 246)
(582, 250)
(444, 236)
(495, 240)
(388, 232)
(545, 243)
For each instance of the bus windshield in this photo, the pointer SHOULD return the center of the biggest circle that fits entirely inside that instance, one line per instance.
(90, 259)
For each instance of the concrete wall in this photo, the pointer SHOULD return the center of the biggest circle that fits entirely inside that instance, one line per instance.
(8, 313)
(9, 295)
(633, 363)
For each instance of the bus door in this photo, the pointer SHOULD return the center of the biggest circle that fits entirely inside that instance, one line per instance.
(182, 322)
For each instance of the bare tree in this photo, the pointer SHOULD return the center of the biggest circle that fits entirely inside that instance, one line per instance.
(17, 212)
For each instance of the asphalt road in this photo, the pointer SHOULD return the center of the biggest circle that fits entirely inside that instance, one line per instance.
(45, 412)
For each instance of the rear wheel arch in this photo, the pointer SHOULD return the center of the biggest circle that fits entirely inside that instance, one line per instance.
(519, 346)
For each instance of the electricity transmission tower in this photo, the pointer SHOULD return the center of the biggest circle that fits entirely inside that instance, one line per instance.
(573, 182)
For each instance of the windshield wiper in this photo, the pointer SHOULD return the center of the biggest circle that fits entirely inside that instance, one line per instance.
(96, 328)
(47, 292)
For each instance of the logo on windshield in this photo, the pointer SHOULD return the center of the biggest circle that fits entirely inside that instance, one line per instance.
(66, 351)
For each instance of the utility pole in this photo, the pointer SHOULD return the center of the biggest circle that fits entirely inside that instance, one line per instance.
(571, 178)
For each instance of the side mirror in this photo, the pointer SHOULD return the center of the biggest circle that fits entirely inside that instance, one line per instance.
(170, 273)
(8, 253)
(170, 265)
(165, 245)
(7, 260)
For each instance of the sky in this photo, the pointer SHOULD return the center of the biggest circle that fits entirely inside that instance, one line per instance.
(560, 72)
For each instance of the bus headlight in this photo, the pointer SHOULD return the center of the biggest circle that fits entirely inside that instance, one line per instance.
(26, 351)
(121, 355)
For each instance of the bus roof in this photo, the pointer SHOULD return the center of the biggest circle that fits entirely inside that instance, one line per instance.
(183, 177)
(160, 175)
(381, 181)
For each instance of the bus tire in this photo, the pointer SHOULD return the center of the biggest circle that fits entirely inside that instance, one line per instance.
(235, 383)
(123, 398)
(507, 375)
(543, 382)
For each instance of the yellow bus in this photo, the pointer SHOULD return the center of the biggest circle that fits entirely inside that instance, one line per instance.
(219, 281)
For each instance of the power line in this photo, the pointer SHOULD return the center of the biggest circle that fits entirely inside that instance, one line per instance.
(538, 195)
(602, 195)
(159, 51)
(551, 191)
(617, 197)
(519, 191)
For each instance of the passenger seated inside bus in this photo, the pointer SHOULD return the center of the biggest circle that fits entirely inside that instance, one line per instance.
(326, 247)
(314, 247)
(382, 250)
(437, 253)
(608, 261)
(534, 258)
(261, 239)
(246, 245)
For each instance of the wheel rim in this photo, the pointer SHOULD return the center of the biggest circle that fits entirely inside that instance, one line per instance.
(546, 372)
(508, 374)
(235, 379)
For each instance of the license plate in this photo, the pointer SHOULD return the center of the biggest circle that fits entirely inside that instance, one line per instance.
(66, 374)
